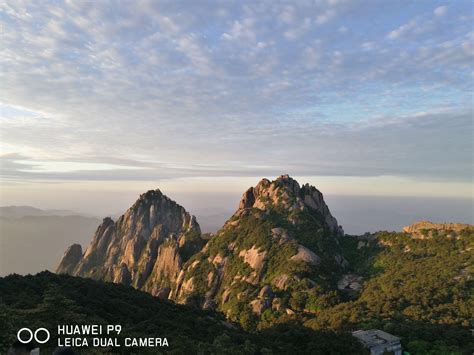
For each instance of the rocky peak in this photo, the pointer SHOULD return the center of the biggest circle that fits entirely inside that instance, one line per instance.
(154, 209)
(144, 248)
(107, 222)
(267, 193)
(70, 259)
(285, 192)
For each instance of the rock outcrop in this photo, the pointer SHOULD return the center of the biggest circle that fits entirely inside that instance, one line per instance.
(306, 255)
(423, 228)
(350, 282)
(70, 259)
(286, 192)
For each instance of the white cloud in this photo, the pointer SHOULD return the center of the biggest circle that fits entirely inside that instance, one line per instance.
(288, 15)
(325, 16)
(171, 87)
(298, 30)
(403, 29)
(368, 46)
(440, 11)
(240, 30)
(342, 29)
(312, 57)
(190, 46)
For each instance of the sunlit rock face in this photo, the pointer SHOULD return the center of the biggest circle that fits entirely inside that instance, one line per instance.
(70, 259)
(142, 248)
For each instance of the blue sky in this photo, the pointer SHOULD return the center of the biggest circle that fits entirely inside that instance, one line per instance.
(150, 91)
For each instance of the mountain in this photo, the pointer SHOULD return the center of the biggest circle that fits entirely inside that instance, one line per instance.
(145, 247)
(281, 235)
(283, 257)
(29, 243)
(23, 211)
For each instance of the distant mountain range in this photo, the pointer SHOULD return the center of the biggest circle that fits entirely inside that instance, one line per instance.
(23, 211)
(282, 257)
(32, 239)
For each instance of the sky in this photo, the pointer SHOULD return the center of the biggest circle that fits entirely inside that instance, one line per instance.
(206, 97)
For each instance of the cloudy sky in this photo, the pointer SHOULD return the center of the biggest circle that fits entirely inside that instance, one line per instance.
(362, 97)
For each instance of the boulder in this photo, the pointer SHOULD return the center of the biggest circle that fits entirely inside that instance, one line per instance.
(259, 306)
(265, 292)
(350, 282)
(253, 257)
(281, 281)
(306, 255)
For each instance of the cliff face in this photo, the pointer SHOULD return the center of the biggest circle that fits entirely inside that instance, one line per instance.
(70, 259)
(143, 248)
(282, 238)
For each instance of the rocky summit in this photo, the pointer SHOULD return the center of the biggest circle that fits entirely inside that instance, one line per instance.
(281, 237)
(145, 247)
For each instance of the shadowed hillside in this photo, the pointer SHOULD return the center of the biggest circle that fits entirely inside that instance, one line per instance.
(46, 300)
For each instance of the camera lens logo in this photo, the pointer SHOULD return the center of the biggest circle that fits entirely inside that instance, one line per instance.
(25, 335)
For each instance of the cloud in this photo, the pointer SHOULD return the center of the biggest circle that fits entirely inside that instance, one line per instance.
(440, 11)
(288, 15)
(368, 46)
(241, 30)
(424, 144)
(298, 30)
(403, 29)
(245, 88)
(342, 29)
(422, 25)
(325, 17)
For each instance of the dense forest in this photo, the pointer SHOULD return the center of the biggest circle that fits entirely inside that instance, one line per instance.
(420, 289)
(46, 300)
